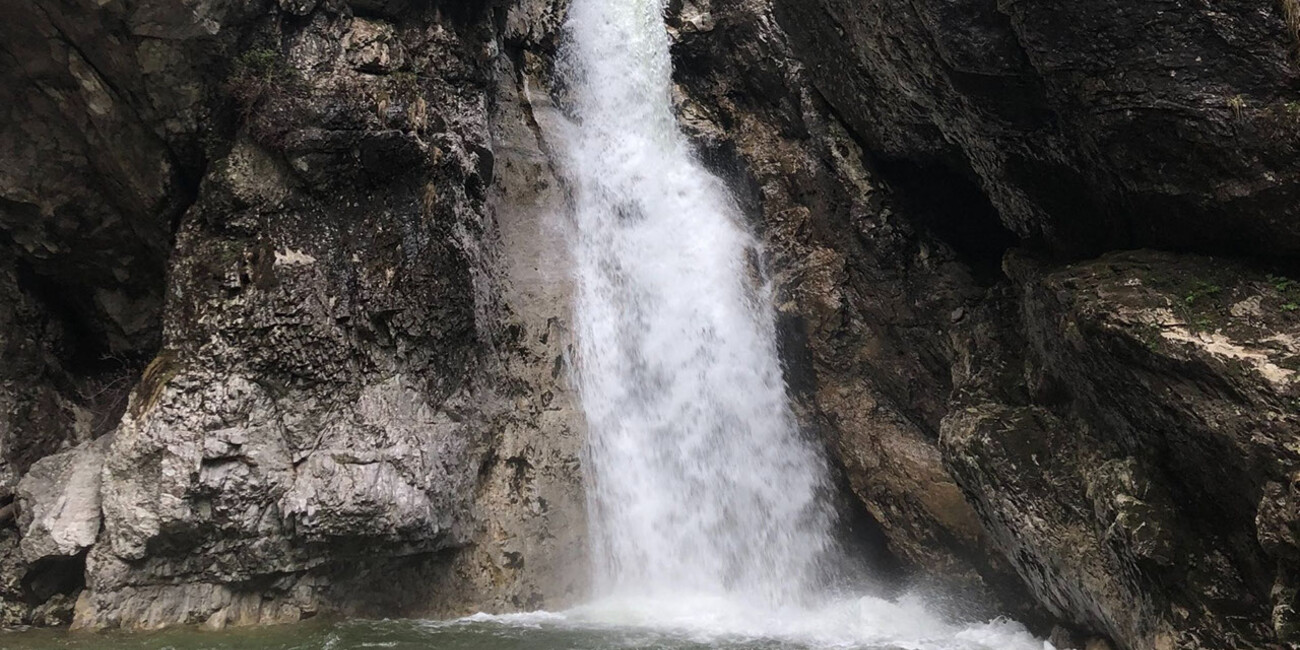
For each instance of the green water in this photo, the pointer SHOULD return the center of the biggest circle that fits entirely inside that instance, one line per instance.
(393, 635)
(865, 623)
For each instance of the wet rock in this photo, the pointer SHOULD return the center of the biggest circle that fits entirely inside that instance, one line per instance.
(324, 417)
(695, 18)
(1064, 639)
(55, 612)
(1089, 126)
(863, 298)
(297, 7)
(14, 609)
(1126, 494)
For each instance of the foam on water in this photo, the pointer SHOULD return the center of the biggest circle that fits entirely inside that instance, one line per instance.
(866, 622)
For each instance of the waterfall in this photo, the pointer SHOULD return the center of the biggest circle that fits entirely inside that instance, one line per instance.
(706, 503)
(699, 481)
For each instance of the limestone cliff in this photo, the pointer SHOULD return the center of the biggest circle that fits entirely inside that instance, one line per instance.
(280, 279)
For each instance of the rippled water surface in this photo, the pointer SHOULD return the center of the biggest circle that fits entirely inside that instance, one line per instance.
(864, 624)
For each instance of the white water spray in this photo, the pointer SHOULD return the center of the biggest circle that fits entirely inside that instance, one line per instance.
(706, 502)
(700, 483)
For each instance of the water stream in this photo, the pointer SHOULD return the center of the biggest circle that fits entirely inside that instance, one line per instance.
(699, 484)
(707, 505)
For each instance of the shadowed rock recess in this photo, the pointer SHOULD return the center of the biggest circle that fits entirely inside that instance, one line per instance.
(284, 302)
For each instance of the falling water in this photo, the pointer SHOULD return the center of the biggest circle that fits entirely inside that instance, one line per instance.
(706, 503)
(700, 482)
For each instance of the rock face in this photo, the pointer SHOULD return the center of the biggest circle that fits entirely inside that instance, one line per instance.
(1104, 444)
(1161, 410)
(1088, 126)
(863, 298)
(353, 399)
(284, 297)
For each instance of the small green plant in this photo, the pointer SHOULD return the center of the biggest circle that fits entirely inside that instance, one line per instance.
(260, 61)
(1290, 306)
(1149, 334)
(255, 74)
(1201, 290)
(1292, 110)
(1281, 284)
(1238, 105)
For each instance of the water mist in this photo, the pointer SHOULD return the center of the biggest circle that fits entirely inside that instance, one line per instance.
(700, 482)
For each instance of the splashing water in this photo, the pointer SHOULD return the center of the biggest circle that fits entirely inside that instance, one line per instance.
(707, 509)
(699, 483)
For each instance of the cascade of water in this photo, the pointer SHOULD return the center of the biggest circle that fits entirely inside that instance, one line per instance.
(700, 483)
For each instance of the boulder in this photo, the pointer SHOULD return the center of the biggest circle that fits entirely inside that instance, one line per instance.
(59, 503)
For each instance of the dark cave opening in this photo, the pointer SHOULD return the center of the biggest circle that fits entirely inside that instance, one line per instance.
(77, 385)
(87, 343)
(952, 207)
(54, 575)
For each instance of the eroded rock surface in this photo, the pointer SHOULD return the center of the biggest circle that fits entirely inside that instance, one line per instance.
(1125, 483)
(353, 400)
(1104, 444)
(1088, 125)
(862, 294)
